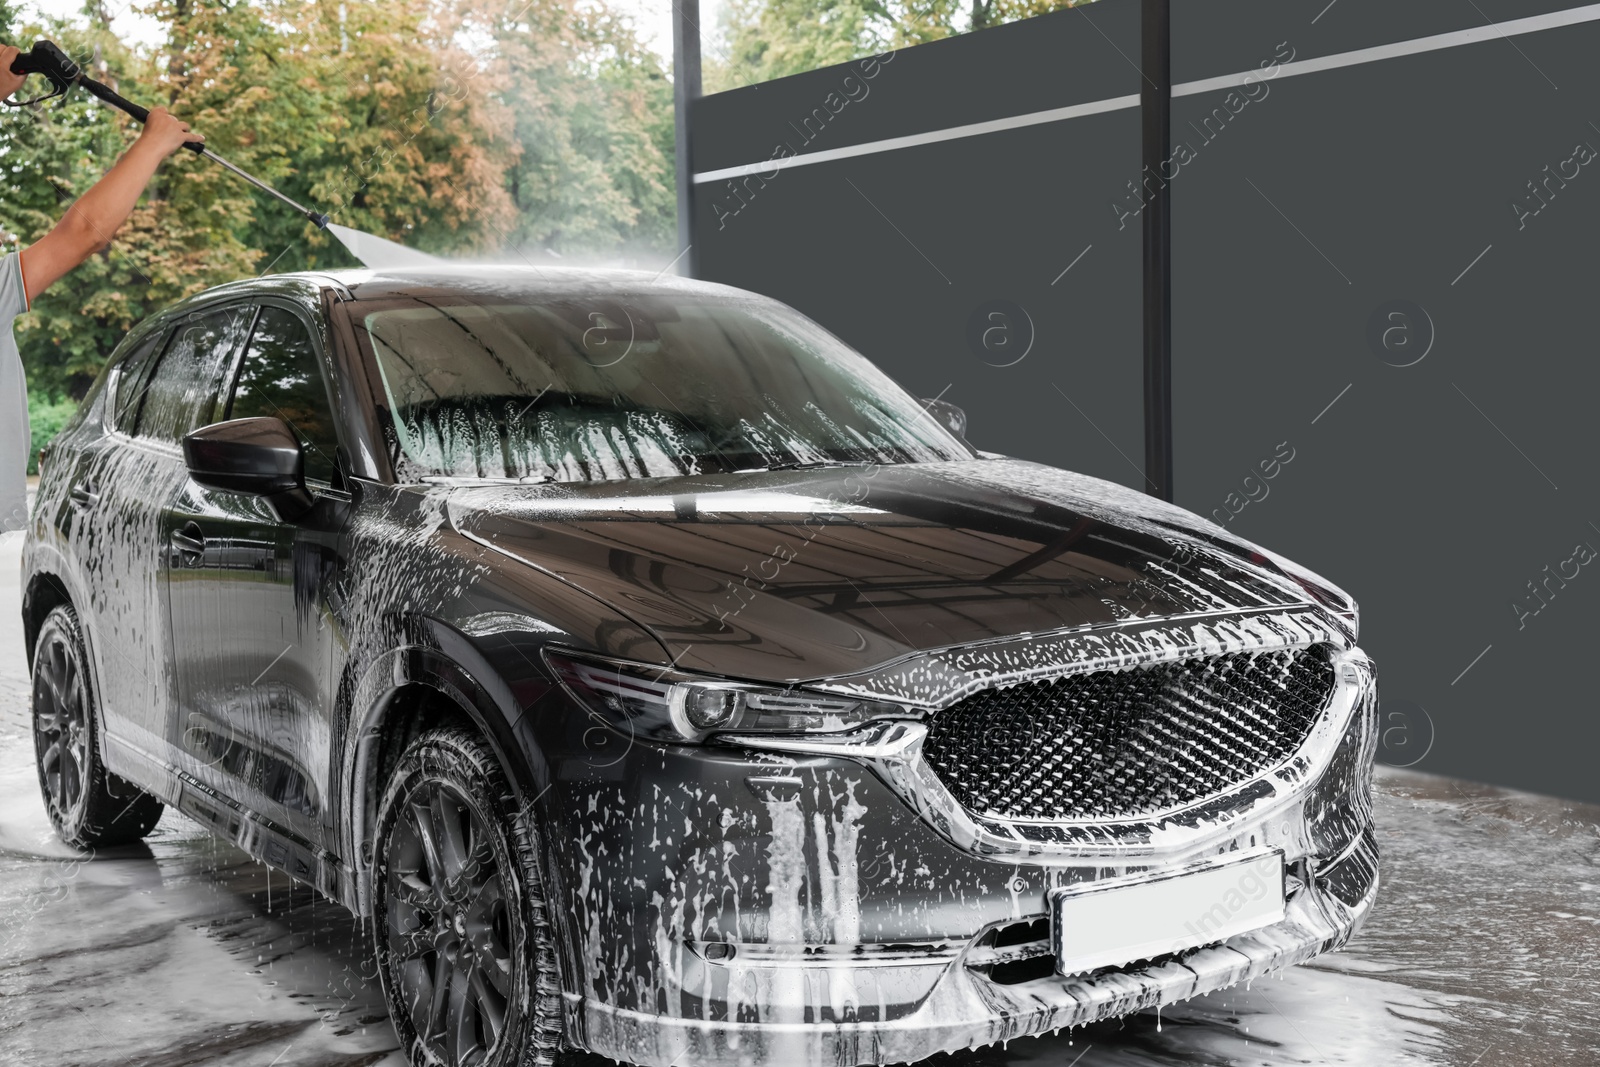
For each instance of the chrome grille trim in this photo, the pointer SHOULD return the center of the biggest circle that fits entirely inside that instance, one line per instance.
(894, 750)
(1133, 743)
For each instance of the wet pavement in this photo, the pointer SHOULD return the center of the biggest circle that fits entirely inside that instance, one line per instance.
(1484, 947)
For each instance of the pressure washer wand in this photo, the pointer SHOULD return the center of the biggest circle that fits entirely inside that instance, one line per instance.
(46, 59)
(143, 114)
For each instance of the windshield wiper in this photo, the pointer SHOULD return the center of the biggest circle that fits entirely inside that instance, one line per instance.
(804, 465)
(467, 479)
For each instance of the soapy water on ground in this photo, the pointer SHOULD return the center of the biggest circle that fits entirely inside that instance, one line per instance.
(1484, 947)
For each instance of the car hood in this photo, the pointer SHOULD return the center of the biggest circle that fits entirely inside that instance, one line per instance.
(802, 575)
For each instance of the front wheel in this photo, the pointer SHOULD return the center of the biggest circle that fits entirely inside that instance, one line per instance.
(463, 946)
(88, 805)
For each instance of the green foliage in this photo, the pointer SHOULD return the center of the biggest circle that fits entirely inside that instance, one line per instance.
(1012, 10)
(769, 39)
(438, 123)
(46, 416)
(592, 114)
(773, 38)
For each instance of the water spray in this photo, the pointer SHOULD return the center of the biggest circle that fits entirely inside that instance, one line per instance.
(56, 67)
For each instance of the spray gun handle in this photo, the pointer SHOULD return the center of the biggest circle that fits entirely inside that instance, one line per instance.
(47, 59)
(50, 62)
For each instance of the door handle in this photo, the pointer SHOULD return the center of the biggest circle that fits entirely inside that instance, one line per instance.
(188, 545)
(84, 496)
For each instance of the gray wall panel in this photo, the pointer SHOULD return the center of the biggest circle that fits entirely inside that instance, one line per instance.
(1429, 491)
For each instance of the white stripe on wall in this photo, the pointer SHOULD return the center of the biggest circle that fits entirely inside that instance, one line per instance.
(1454, 39)
(952, 133)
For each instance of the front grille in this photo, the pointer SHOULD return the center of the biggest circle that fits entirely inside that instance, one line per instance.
(1129, 743)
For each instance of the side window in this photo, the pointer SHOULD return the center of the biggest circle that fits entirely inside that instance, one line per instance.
(131, 373)
(181, 395)
(280, 377)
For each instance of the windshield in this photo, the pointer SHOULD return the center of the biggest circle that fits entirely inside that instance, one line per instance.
(599, 388)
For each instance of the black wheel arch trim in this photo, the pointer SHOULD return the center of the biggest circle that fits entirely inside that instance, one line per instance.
(439, 657)
(47, 569)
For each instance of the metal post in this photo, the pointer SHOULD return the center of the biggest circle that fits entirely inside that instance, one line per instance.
(1155, 112)
(685, 90)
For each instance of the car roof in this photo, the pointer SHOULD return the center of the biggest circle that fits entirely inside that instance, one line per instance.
(523, 280)
(494, 280)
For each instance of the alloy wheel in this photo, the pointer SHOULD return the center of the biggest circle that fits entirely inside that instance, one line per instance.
(61, 723)
(449, 925)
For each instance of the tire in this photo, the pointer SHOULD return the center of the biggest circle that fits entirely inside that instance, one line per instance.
(460, 931)
(89, 806)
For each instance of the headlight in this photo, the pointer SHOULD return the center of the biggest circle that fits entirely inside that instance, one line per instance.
(1319, 589)
(1341, 605)
(670, 705)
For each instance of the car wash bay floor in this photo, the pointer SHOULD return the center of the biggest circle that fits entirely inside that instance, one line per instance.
(1484, 948)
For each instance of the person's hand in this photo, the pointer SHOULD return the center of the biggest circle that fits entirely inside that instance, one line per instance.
(165, 133)
(9, 82)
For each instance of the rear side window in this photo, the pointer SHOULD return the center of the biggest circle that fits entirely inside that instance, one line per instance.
(280, 377)
(181, 395)
(131, 374)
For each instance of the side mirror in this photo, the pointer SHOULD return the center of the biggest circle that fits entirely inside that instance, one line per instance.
(947, 415)
(259, 457)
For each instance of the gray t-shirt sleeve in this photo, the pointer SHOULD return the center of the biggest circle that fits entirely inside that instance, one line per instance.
(13, 295)
(15, 441)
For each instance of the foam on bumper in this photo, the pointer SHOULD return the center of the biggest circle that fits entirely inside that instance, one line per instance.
(963, 1009)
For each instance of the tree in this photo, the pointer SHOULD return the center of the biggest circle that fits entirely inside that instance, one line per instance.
(773, 38)
(169, 247)
(769, 39)
(447, 125)
(371, 112)
(593, 120)
(1014, 10)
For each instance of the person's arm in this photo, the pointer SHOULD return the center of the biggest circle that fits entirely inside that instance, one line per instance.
(94, 219)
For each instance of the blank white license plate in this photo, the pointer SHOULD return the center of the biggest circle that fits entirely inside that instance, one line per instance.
(1115, 922)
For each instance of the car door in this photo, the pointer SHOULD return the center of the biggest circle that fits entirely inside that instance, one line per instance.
(116, 532)
(82, 519)
(251, 638)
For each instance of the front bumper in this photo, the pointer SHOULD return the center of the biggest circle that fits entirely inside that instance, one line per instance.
(957, 1007)
(738, 906)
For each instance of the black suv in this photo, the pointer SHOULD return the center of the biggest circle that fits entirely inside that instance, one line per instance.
(662, 680)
